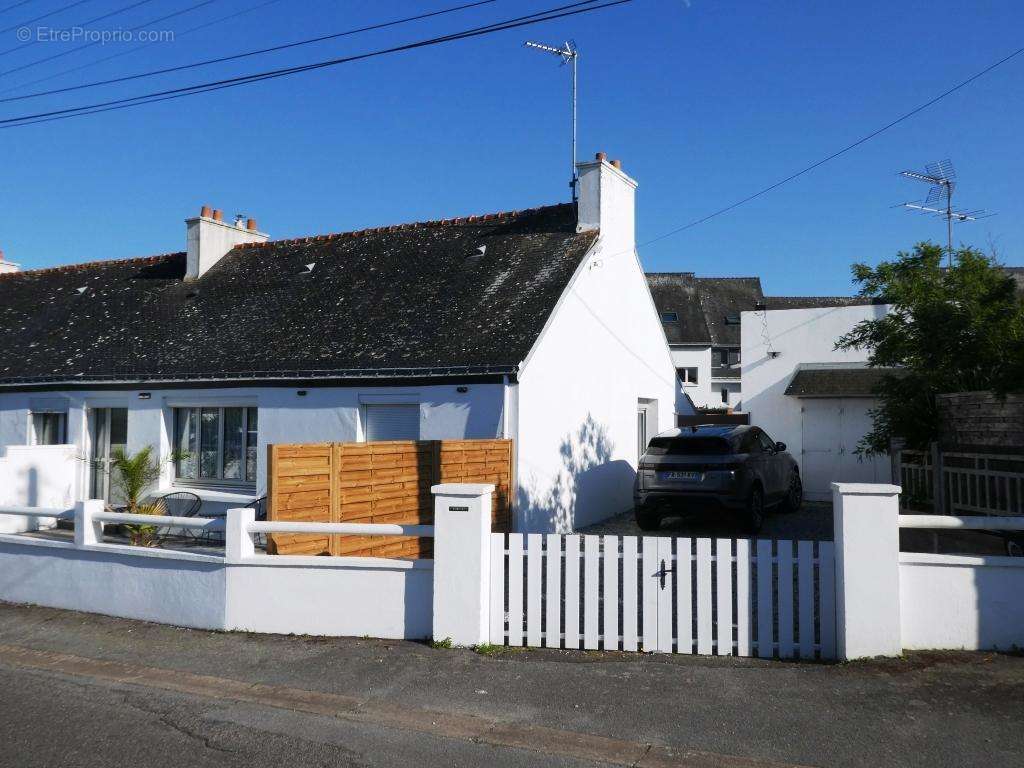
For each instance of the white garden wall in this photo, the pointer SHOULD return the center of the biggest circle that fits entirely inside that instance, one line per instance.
(959, 602)
(37, 476)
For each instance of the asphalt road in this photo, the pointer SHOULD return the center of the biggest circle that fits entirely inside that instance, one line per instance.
(82, 690)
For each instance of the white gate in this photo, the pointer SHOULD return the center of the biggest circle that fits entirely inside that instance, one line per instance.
(725, 597)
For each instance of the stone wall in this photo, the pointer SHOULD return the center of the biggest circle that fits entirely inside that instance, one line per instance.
(981, 420)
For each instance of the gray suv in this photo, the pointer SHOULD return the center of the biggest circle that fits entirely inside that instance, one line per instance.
(735, 469)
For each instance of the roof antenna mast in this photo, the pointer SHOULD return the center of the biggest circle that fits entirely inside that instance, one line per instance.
(939, 202)
(568, 53)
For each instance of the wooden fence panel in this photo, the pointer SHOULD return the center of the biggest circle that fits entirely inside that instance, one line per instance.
(378, 482)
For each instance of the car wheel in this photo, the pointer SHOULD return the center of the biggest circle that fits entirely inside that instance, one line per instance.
(794, 496)
(648, 520)
(755, 511)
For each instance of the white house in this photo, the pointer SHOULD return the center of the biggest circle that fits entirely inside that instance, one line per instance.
(533, 325)
(807, 394)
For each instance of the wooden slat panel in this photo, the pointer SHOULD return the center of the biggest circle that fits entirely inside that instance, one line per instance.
(765, 616)
(743, 639)
(591, 595)
(498, 588)
(785, 587)
(805, 562)
(684, 595)
(629, 589)
(515, 589)
(610, 597)
(572, 591)
(534, 563)
(704, 639)
(553, 618)
(724, 588)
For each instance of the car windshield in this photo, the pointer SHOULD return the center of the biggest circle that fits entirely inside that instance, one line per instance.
(695, 445)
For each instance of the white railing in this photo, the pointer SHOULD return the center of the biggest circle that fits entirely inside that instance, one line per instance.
(62, 514)
(349, 529)
(979, 523)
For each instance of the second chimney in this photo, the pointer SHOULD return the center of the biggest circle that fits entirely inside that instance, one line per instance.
(209, 238)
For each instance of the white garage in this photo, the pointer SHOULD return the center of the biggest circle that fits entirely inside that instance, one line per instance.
(835, 400)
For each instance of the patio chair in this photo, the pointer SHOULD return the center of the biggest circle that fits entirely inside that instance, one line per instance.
(179, 504)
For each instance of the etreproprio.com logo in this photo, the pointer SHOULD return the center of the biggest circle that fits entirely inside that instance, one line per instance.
(101, 36)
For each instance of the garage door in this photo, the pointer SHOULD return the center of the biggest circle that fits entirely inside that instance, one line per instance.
(831, 429)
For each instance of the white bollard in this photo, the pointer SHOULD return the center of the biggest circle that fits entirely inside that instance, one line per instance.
(867, 545)
(238, 543)
(87, 530)
(462, 567)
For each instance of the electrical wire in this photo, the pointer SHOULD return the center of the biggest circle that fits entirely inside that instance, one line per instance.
(47, 15)
(246, 54)
(98, 42)
(530, 19)
(177, 36)
(15, 5)
(834, 155)
(83, 24)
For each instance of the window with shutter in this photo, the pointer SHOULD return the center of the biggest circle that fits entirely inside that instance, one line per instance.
(392, 422)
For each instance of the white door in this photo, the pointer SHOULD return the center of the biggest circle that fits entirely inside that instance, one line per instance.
(831, 429)
(822, 439)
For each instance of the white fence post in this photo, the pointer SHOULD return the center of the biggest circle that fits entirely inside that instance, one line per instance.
(867, 543)
(87, 530)
(238, 543)
(462, 566)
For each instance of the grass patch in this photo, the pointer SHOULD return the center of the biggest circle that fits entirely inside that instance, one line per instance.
(444, 644)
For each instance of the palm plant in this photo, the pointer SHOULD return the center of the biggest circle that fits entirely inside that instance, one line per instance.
(133, 474)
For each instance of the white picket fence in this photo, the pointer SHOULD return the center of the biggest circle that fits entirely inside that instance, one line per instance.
(724, 597)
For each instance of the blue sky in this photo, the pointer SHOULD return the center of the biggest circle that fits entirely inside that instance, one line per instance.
(704, 101)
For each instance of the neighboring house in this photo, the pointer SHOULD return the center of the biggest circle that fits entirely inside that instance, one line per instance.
(701, 317)
(805, 393)
(534, 325)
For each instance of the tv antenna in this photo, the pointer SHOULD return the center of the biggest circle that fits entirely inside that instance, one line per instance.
(939, 202)
(568, 53)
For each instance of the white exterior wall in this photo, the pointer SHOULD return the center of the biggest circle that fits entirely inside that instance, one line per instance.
(954, 602)
(735, 398)
(323, 414)
(699, 358)
(37, 476)
(577, 431)
(800, 336)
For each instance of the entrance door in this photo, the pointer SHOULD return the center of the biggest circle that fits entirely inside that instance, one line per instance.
(108, 431)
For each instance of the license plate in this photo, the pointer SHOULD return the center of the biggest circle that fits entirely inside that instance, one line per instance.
(680, 475)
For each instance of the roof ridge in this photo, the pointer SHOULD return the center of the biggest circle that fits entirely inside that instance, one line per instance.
(486, 217)
(86, 264)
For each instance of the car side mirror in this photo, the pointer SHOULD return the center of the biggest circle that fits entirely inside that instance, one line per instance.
(780, 447)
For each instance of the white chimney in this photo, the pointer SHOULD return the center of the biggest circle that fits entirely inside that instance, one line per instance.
(607, 202)
(209, 239)
(7, 266)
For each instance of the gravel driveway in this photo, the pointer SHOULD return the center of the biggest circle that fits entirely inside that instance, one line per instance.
(812, 522)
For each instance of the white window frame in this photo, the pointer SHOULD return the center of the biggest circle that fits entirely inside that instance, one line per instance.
(248, 484)
(34, 433)
(685, 377)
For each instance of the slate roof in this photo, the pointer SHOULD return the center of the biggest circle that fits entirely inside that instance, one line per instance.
(837, 382)
(409, 300)
(704, 304)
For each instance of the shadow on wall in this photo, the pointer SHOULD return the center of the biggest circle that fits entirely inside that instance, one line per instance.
(589, 486)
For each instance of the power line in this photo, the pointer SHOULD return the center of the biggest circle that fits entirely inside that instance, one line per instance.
(107, 15)
(834, 155)
(15, 5)
(67, 7)
(530, 19)
(219, 60)
(177, 36)
(97, 42)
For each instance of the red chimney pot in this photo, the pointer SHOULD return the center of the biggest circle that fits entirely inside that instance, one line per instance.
(251, 225)
(600, 157)
(205, 211)
(218, 215)
(617, 164)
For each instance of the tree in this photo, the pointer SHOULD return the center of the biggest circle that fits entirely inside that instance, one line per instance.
(133, 474)
(956, 329)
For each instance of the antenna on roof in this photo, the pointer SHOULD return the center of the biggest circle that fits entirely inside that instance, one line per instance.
(568, 52)
(942, 178)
